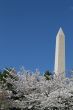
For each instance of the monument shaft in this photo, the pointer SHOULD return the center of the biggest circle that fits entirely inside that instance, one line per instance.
(59, 68)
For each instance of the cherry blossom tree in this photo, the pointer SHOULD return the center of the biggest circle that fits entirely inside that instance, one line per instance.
(31, 91)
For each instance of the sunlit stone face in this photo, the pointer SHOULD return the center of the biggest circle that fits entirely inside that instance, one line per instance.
(59, 68)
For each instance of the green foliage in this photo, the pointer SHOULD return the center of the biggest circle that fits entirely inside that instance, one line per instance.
(4, 74)
(8, 73)
(48, 75)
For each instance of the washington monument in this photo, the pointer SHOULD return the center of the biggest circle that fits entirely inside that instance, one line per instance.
(59, 67)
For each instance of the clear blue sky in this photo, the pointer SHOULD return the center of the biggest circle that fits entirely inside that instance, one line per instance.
(28, 31)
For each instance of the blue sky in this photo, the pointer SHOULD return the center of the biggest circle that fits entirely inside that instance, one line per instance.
(28, 31)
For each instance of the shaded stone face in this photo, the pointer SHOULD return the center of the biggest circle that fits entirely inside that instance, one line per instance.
(59, 68)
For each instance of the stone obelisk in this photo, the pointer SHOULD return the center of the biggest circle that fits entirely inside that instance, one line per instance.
(59, 67)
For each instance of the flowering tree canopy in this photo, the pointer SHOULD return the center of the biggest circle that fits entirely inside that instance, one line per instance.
(31, 91)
